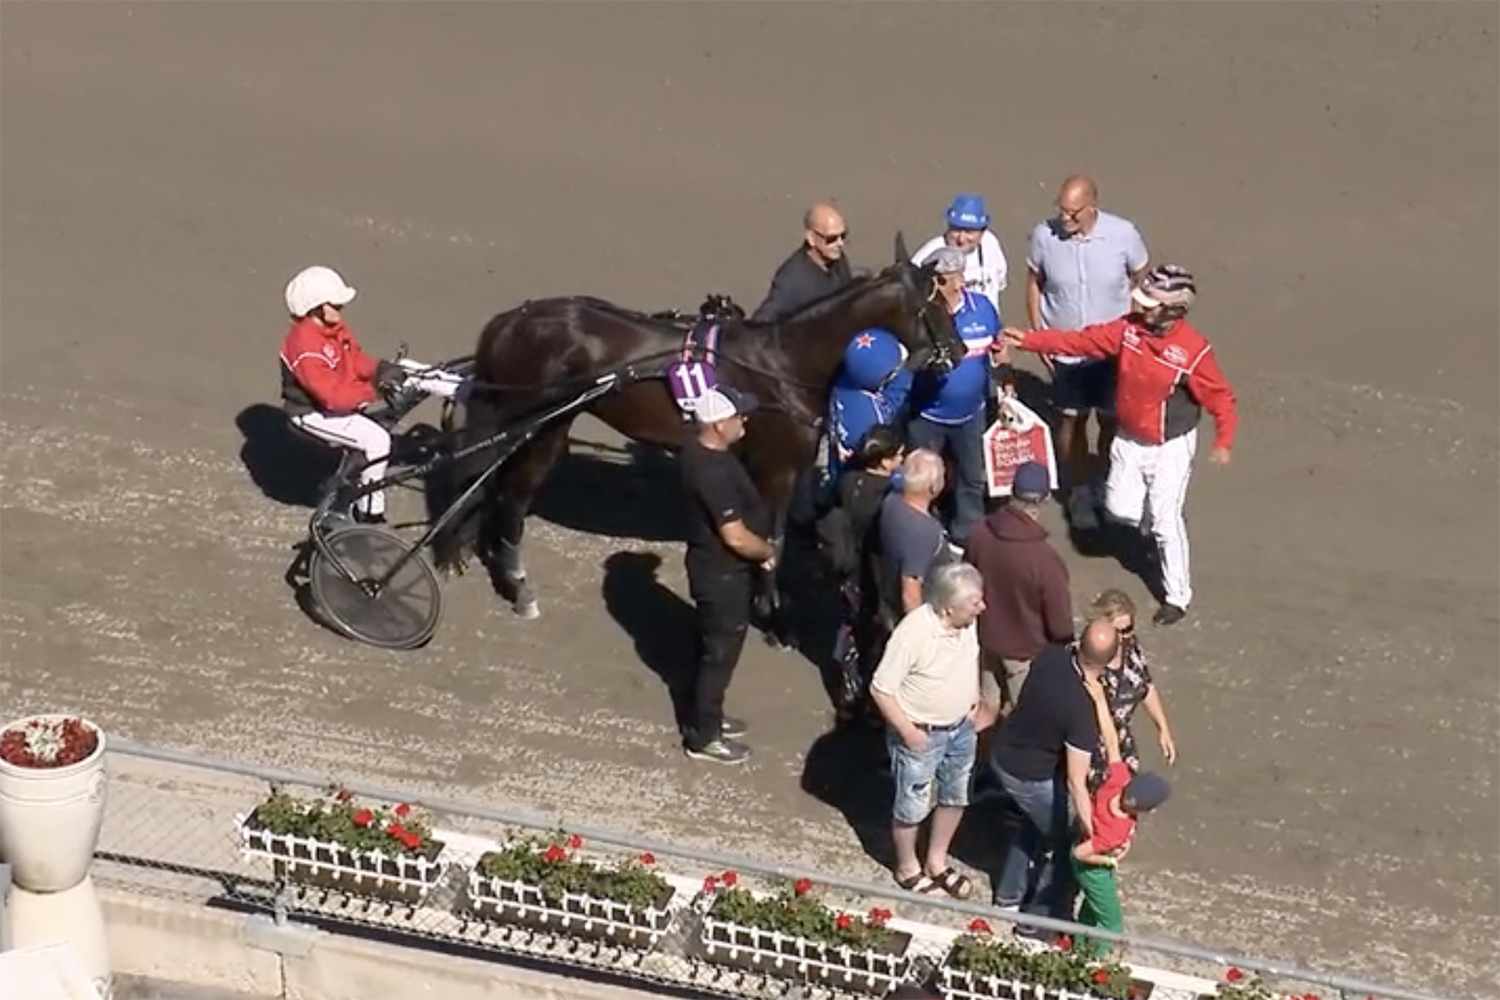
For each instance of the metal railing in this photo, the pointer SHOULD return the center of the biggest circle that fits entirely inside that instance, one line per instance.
(149, 845)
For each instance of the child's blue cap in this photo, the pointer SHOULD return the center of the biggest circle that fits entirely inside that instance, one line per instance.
(1146, 791)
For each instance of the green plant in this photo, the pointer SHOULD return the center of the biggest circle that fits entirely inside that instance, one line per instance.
(797, 910)
(981, 953)
(552, 865)
(337, 818)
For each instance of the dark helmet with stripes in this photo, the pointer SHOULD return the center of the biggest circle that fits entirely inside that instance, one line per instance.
(1165, 293)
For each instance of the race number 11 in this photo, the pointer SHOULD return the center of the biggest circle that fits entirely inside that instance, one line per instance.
(690, 381)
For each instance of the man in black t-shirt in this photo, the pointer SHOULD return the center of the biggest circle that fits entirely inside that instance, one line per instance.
(728, 525)
(1041, 755)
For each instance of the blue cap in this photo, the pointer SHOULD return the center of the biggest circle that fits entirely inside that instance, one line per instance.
(967, 212)
(1031, 482)
(871, 357)
(1146, 791)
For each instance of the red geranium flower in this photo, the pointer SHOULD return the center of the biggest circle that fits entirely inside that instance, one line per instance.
(980, 926)
(710, 884)
(575, 842)
(364, 818)
(879, 916)
(1065, 943)
(844, 922)
(1233, 976)
(554, 854)
(402, 811)
(802, 886)
(395, 830)
(411, 840)
(730, 879)
(647, 859)
(1101, 976)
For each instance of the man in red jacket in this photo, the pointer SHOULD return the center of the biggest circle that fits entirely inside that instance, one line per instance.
(327, 379)
(1168, 376)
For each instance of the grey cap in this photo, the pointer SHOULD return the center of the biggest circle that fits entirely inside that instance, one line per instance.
(946, 260)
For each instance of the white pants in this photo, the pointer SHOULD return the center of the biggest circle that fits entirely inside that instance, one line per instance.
(1147, 487)
(356, 432)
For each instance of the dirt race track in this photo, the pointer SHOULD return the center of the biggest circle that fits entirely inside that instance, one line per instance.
(1329, 170)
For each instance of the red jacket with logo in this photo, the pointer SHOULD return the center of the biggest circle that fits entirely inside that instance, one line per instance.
(324, 368)
(1165, 382)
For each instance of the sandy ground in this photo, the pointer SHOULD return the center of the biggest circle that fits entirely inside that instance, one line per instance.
(1329, 170)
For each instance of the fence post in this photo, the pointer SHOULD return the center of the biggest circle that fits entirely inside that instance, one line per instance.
(279, 902)
(4, 906)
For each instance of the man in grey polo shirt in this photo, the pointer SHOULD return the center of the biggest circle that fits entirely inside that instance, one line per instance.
(1080, 268)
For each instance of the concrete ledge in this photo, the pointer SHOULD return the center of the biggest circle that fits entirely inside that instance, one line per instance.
(182, 942)
(195, 946)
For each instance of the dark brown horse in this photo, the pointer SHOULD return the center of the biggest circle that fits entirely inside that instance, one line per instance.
(552, 348)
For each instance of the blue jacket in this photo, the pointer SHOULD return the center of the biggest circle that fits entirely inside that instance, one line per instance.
(957, 397)
(870, 388)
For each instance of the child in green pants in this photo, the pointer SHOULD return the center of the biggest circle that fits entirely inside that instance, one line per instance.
(1120, 800)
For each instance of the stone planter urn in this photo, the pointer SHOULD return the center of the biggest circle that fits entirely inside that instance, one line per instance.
(51, 800)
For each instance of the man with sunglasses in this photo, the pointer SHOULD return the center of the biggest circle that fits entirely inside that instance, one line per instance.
(815, 269)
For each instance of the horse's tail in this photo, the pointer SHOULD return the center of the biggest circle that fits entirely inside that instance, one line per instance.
(460, 537)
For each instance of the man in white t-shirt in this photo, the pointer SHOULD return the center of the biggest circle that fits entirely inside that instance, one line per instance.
(1081, 264)
(969, 230)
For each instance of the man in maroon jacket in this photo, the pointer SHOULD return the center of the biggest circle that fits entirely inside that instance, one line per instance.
(1027, 604)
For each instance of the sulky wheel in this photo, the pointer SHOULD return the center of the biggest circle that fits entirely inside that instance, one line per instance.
(403, 615)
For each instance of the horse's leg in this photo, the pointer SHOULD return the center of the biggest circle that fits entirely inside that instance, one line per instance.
(519, 482)
(772, 603)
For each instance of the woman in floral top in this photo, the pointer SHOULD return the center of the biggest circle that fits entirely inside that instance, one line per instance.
(1128, 685)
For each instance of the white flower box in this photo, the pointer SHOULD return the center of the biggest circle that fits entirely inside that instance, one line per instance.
(400, 878)
(957, 984)
(784, 956)
(504, 901)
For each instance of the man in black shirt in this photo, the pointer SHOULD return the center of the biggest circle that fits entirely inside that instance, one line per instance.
(726, 539)
(1041, 755)
(816, 268)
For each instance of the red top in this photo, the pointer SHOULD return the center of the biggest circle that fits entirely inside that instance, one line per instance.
(1111, 830)
(1163, 382)
(329, 365)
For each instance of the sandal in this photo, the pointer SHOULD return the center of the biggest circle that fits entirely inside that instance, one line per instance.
(954, 883)
(920, 882)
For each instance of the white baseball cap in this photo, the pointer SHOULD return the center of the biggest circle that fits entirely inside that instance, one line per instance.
(316, 286)
(723, 403)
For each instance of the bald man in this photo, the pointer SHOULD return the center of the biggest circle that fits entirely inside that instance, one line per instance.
(1042, 756)
(818, 267)
(1080, 267)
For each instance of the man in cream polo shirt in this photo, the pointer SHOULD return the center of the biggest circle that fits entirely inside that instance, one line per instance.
(927, 688)
(1080, 267)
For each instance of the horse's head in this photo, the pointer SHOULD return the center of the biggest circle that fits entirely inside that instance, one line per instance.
(922, 319)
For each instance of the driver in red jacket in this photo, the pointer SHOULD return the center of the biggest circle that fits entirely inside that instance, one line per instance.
(328, 381)
(1168, 376)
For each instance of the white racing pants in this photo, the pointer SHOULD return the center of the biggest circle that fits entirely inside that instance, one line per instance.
(1147, 488)
(358, 433)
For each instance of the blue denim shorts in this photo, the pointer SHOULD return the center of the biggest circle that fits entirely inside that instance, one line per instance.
(1077, 389)
(947, 761)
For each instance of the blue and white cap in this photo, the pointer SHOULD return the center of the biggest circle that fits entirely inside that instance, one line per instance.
(968, 212)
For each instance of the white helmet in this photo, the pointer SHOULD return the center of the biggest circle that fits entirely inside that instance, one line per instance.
(316, 286)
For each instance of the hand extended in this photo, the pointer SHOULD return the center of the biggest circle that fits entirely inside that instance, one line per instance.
(1012, 337)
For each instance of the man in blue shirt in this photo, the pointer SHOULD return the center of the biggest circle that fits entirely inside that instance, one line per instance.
(950, 409)
(870, 388)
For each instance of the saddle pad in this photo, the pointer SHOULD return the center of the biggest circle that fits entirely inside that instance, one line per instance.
(694, 375)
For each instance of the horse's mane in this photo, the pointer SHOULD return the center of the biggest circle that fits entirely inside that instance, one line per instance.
(833, 301)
